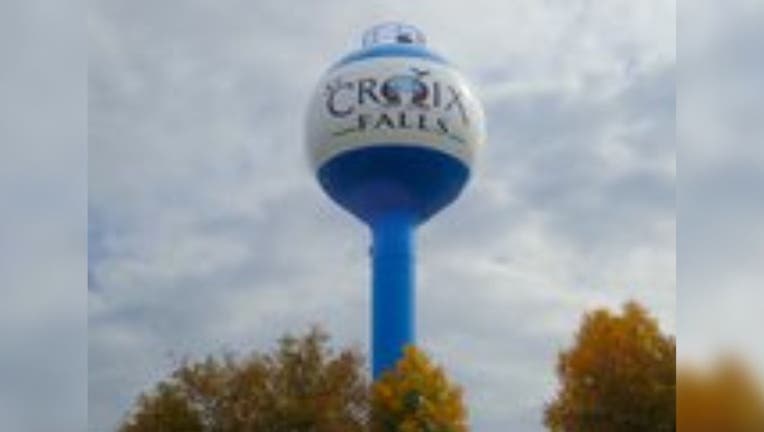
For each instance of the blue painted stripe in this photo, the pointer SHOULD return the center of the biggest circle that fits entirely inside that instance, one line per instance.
(390, 50)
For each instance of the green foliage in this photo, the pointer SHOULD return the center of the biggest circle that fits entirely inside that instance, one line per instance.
(620, 376)
(417, 397)
(302, 386)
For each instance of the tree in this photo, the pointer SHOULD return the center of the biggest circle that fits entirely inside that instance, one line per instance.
(416, 396)
(726, 398)
(619, 376)
(166, 410)
(302, 386)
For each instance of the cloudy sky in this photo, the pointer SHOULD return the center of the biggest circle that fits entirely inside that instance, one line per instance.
(43, 195)
(720, 202)
(207, 231)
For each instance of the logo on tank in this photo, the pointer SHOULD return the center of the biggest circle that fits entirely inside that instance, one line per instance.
(406, 87)
(410, 100)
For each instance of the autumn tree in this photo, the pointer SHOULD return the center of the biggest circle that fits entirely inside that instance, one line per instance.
(618, 377)
(726, 398)
(416, 396)
(301, 386)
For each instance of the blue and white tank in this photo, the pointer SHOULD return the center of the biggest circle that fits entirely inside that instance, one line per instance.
(393, 127)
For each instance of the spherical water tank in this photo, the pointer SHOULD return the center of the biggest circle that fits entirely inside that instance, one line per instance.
(393, 127)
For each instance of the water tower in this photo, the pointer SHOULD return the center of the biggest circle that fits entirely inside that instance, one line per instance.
(392, 132)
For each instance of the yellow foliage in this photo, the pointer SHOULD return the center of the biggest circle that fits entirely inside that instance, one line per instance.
(417, 396)
(619, 376)
(725, 399)
(302, 386)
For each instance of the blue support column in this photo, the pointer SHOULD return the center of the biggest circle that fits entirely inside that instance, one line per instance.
(393, 289)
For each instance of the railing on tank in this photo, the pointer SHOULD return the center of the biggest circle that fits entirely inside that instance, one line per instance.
(393, 33)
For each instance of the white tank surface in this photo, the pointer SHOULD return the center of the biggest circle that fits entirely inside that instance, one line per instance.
(393, 91)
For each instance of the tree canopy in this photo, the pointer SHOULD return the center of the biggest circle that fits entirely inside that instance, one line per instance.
(417, 396)
(619, 376)
(725, 398)
(302, 386)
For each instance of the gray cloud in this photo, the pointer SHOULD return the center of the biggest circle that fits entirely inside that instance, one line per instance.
(42, 185)
(720, 207)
